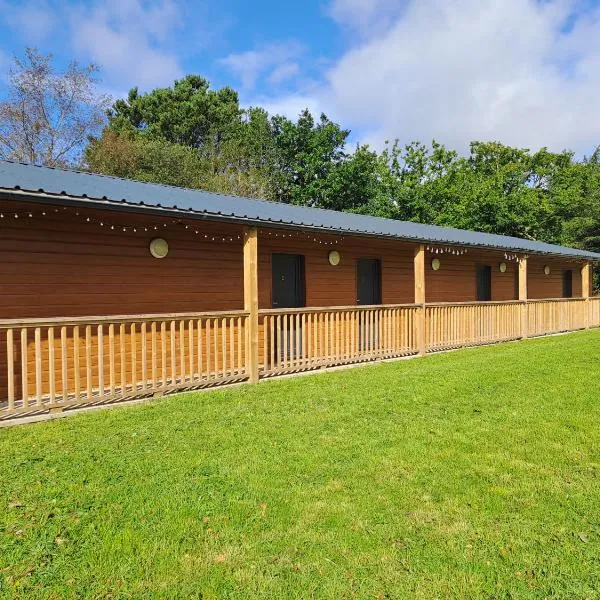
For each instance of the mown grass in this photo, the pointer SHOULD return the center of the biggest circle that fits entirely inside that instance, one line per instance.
(471, 474)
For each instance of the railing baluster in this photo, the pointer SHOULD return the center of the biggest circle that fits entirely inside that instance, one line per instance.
(173, 355)
(24, 368)
(144, 337)
(154, 358)
(133, 345)
(191, 349)
(224, 348)
(76, 363)
(231, 346)
(111, 359)
(63, 363)
(208, 345)
(100, 362)
(123, 359)
(199, 341)
(163, 353)
(10, 354)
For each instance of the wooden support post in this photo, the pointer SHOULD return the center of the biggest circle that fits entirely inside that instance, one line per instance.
(586, 272)
(420, 324)
(251, 300)
(523, 296)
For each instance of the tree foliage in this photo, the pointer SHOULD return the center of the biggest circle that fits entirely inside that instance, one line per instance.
(193, 136)
(48, 116)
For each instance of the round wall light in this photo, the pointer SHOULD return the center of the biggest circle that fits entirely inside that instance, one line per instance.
(334, 258)
(547, 270)
(502, 267)
(159, 248)
(435, 264)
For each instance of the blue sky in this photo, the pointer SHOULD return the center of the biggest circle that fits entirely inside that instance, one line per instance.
(525, 72)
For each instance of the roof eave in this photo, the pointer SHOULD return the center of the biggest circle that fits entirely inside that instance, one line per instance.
(133, 207)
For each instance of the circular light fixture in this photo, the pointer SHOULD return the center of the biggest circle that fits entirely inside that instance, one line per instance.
(334, 258)
(159, 248)
(502, 267)
(435, 264)
(547, 270)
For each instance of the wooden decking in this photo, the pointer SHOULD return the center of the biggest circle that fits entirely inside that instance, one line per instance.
(57, 364)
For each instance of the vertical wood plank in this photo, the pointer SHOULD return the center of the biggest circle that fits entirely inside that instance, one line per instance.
(251, 300)
(64, 364)
(88, 361)
(76, 363)
(10, 354)
(133, 344)
(24, 368)
(144, 339)
(111, 360)
(122, 356)
(51, 366)
(100, 362)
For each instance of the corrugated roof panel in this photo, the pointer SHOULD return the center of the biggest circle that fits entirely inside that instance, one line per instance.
(144, 196)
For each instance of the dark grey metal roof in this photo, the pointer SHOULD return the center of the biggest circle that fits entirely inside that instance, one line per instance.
(35, 183)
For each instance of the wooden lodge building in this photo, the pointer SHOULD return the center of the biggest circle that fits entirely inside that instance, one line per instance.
(113, 289)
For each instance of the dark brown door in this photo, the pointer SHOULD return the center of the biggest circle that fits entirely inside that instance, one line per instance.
(484, 283)
(288, 292)
(567, 284)
(288, 280)
(368, 281)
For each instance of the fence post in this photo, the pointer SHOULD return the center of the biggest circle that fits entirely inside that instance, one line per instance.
(586, 268)
(420, 322)
(523, 296)
(251, 300)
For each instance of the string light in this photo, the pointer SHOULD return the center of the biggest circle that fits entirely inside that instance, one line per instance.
(125, 228)
(446, 250)
(302, 236)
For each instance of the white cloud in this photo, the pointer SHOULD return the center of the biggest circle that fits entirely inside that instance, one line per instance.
(289, 106)
(473, 69)
(365, 17)
(127, 38)
(283, 72)
(34, 20)
(248, 66)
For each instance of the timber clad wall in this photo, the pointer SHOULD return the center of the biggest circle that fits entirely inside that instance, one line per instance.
(540, 285)
(336, 286)
(61, 265)
(456, 280)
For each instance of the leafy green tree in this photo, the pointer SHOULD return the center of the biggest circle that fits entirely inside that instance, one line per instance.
(189, 113)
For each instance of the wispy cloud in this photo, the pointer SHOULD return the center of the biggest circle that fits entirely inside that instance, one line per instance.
(276, 59)
(476, 69)
(127, 38)
(34, 20)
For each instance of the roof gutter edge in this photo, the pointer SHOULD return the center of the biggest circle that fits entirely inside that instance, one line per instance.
(130, 207)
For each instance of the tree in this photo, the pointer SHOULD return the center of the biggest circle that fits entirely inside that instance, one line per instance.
(48, 115)
(189, 113)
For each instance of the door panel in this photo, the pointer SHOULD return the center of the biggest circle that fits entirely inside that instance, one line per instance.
(368, 281)
(288, 292)
(484, 283)
(567, 284)
(287, 280)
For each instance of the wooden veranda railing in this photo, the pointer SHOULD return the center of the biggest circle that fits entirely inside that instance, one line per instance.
(62, 363)
(307, 338)
(55, 364)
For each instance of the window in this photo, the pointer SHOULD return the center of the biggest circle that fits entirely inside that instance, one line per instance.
(567, 284)
(484, 283)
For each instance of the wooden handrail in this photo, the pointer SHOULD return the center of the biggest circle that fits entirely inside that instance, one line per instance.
(98, 320)
(330, 309)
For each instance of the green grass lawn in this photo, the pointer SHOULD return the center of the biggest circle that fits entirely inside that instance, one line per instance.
(472, 474)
